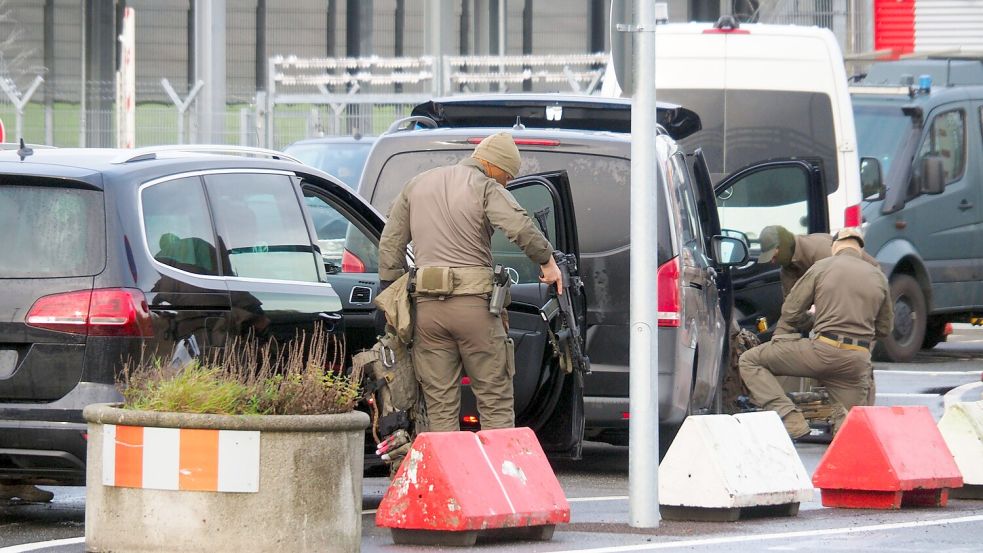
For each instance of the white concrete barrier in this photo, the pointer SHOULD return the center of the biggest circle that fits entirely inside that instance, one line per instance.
(962, 428)
(723, 467)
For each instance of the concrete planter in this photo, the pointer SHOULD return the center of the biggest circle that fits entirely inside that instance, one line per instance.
(280, 483)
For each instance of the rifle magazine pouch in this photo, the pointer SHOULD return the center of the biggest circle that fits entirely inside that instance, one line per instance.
(434, 281)
(399, 373)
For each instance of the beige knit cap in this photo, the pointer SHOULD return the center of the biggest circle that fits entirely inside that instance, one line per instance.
(500, 150)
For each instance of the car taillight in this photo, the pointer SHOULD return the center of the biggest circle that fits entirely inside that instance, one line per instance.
(852, 216)
(350, 263)
(668, 282)
(103, 312)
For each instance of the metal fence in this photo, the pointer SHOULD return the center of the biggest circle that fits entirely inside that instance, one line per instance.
(849, 20)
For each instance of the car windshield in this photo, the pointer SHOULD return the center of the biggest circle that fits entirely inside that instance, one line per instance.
(344, 160)
(881, 131)
(50, 231)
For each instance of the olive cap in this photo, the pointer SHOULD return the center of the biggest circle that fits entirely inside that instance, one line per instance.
(771, 238)
(500, 150)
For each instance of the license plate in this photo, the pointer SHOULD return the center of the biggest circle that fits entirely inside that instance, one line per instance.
(8, 363)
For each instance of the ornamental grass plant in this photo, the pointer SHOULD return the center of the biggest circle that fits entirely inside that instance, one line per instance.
(247, 377)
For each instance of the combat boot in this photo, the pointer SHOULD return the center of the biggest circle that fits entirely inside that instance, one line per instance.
(25, 492)
(796, 425)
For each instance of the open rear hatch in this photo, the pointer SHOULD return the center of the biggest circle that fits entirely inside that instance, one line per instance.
(551, 111)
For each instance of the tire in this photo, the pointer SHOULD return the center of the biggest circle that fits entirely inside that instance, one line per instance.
(910, 319)
(934, 333)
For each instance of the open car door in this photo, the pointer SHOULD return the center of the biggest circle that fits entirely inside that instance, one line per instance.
(547, 399)
(786, 192)
(348, 231)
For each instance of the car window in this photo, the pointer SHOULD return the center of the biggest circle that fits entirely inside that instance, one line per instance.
(178, 227)
(341, 159)
(771, 196)
(536, 198)
(601, 187)
(947, 138)
(262, 228)
(50, 231)
(345, 246)
(682, 186)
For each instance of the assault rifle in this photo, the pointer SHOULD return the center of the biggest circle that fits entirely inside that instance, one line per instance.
(567, 339)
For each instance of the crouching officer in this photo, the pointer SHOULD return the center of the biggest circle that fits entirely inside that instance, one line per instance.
(852, 307)
(449, 214)
(796, 254)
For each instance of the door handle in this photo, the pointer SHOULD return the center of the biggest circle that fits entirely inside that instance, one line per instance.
(965, 204)
(330, 320)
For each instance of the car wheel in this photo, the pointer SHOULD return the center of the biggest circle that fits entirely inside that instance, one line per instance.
(910, 318)
(934, 333)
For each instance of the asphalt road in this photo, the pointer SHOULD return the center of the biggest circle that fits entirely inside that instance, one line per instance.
(598, 490)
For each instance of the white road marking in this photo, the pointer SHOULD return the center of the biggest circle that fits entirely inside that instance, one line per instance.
(779, 536)
(927, 373)
(41, 545)
(600, 498)
(906, 394)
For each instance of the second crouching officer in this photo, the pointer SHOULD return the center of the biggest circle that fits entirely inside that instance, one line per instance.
(449, 214)
(852, 307)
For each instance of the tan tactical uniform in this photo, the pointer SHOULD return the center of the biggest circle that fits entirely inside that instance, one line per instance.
(810, 248)
(853, 306)
(450, 213)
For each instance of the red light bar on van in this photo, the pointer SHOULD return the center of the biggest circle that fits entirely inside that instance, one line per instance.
(523, 141)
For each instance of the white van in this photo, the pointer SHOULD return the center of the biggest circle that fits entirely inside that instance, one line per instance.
(765, 91)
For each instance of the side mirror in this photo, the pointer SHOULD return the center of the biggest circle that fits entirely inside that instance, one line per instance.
(871, 181)
(932, 175)
(731, 233)
(728, 251)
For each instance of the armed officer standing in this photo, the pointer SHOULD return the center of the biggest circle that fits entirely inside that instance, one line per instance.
(449, 214)
(852, 308)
